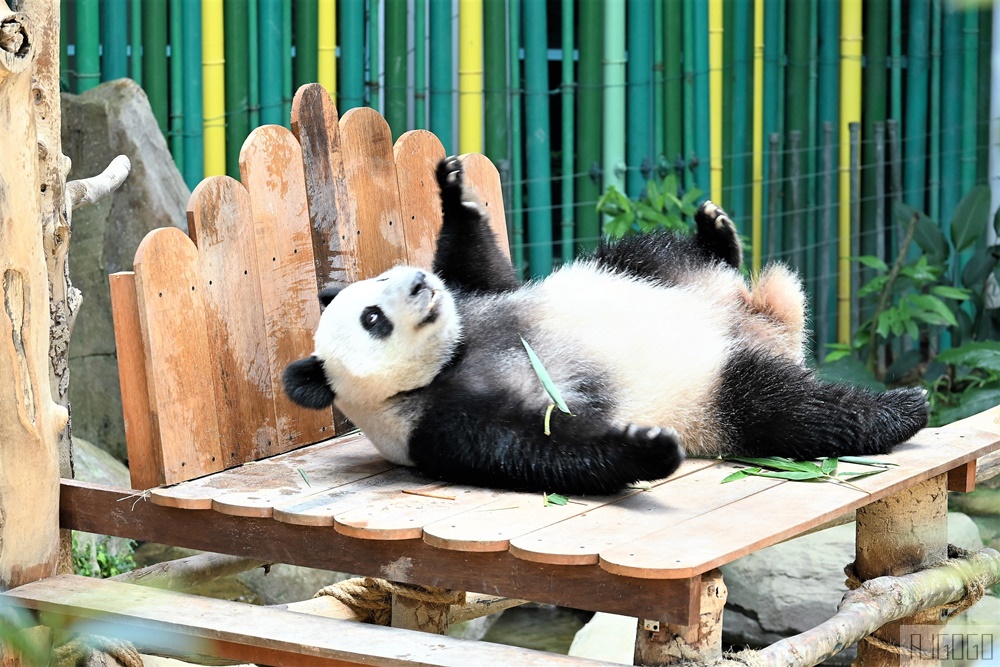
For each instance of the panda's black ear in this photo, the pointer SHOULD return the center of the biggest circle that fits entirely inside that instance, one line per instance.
(326, 296)
(305, 383)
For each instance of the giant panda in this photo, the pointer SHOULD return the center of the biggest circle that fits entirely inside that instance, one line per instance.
(658, 345)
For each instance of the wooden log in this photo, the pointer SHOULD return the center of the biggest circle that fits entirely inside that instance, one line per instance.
(186, 573)
(899, 535)
(411, 614)
(665, 644)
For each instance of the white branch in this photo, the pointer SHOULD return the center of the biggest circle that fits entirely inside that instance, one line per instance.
(91, 190)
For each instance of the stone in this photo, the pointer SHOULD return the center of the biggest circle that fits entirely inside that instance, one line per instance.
(111, 119)
(607, 637)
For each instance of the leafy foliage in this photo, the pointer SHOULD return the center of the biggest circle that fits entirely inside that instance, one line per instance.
(659, 207)
(825, 470)
(96, 559)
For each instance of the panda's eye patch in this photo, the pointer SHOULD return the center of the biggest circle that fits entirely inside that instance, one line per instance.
(374, 321)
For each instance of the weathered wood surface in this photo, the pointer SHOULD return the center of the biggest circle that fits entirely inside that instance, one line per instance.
(264, 635)
(699, 643)
(417, 154)
(112, 511)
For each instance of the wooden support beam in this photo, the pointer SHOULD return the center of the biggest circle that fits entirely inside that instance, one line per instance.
(895, 536)
(186, 573)
(666, 644)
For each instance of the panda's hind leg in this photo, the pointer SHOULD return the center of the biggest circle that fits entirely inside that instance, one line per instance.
(771, 406)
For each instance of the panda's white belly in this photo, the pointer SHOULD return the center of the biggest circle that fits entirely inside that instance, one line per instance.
(665, 347)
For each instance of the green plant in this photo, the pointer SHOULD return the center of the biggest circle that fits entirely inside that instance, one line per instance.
(95, 558)
(659, 207)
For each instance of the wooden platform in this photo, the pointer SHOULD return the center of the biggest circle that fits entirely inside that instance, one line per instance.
(337, 505)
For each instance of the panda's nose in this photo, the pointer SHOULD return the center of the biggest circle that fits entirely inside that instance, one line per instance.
(419, 283)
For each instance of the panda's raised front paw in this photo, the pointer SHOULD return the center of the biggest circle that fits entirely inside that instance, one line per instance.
(449, 174)
(718, 235)
(657, 449)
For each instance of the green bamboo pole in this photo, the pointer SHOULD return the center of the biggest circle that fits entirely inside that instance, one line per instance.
(735, 200)
(702, 98)
(253, 62)
(673, 98)
(915, 129)
(351, 72)
(970, 83)
(952, 105)
(536, 131)
(639, 92)
(774, 16)
(135, 40)
(516, 161)
(689, 94)
(439, 18)
(65, 27)
(934, 138)
(875, 83)
(568, 130)
(177, 82)
(374, 91)
(286, 63)
(984, 72)
(269, 40)
(114, 39)
(306, 14)
(154, 59)
(796, 115)
(588, 144)
(395, 66)
(420, 64)
(194, 138)
(237, 82)
(896, 85)
(88, 44)
(613, 140)
(495, 78)
(827, 107)
(658, 55)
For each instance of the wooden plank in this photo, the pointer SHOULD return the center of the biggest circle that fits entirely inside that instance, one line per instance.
(373, 195)
(723, 535)
(484, 179)
(352, 457)
(963, 478)
(417, 154)
(271, 169)
(179, 363)
(492, 526)
(141, 439)
(335, 245)
(221, 223)
(149, 616)
(580, 540)
(101, 509)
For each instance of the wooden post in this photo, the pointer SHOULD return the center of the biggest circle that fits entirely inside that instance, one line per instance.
(663, 644)
(411, 614)
(899, 535)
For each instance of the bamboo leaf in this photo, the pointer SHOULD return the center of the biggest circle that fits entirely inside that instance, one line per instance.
(781, 463)
(862, 460)
(543, 376)
(789, 474)
(859, 475)
(971, 216)
(829, 465)
(554, 499)
(740, 474)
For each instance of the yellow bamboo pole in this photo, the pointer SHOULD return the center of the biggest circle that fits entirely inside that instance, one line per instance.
(327, 56)
(470, 76)
(850, 112)
(213, 70)
(715, 80)
(757, 230)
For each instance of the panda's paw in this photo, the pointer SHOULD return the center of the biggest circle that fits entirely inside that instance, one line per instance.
(449, 175)
(718, 235)
(657, 449)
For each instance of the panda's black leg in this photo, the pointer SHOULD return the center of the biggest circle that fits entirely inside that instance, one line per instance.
(580, 456)
(467, 255)
(769, 406)
(717, 234)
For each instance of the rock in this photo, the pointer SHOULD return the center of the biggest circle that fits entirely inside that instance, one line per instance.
(113, 118)
(607, 637)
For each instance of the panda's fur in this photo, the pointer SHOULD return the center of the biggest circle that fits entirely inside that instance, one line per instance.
(658, 345)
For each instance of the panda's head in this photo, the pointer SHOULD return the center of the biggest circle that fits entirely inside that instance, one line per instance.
(377, 338)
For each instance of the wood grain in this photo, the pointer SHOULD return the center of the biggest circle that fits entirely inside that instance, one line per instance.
(484, 179)
(141, 439)
(271, 169)
(221, 223)
(417, 154)
(963, 478)
(277, 475)
(97, 509)
(335, 245)
(179, 363)
(243, 631)
(373, 194)
(791, 508)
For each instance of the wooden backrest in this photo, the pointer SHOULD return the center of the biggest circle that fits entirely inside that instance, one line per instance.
(205, 324)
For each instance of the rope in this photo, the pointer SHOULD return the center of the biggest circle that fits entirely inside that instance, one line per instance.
(371, 598)
(76, 652)
(975, 588)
